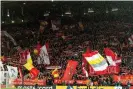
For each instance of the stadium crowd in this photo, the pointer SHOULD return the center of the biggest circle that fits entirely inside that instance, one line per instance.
(69, 42)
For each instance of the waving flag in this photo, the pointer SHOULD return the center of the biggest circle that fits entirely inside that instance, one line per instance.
(55, 73)
(97, 62)
(70, 70)
(43, 56)
(29, 66)
(34, 73)
(118, 61)
(112, 57)
(13, 72)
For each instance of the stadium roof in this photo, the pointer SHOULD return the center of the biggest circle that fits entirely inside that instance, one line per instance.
(29, 9)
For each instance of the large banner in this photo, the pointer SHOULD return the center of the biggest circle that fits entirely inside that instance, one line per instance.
(13, 72)
(29, 82)
(34, 87)
(70, 70)
(65, 87)
(78, 82)
(109, 70)
(96, 61)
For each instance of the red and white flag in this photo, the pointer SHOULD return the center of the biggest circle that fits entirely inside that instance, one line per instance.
(97, 62)
(112, 57)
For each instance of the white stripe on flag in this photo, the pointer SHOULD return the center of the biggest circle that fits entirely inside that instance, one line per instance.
(118, 61)
(110, 60)
(101, 68)
(94, 57)
(98, 59)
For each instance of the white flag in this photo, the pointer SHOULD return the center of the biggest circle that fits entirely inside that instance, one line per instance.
(1, 72)
(43, 57)
(54, 24)
(13, 71)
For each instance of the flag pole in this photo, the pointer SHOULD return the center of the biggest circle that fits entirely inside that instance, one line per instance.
(22, 79)
(7, 74)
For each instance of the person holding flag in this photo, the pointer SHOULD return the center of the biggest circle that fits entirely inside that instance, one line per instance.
(29, 66)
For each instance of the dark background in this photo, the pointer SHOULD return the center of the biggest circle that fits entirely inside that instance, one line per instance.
(34, 11)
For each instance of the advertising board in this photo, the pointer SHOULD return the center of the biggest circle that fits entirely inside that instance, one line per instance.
(89, 87)
(34, 87)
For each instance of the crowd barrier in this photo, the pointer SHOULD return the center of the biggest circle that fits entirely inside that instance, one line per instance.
(89, 87)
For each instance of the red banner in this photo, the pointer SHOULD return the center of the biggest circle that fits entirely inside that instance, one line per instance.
(109, 70)
(70, 70)
(124, 79)
(29, 82)
(80, 82)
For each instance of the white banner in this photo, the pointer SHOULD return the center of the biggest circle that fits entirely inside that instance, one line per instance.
(1, 72)
(13, 72)
(43, 57)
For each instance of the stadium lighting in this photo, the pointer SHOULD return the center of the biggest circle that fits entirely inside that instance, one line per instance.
(68, 13)
(90, 10)
(22, 20)
(46, 14)
(8, 15)
(3, 22)
(52, 0)
(114, 9)
(13, 21)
